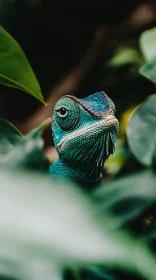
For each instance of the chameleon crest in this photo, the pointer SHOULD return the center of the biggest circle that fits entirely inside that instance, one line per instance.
(84, 132)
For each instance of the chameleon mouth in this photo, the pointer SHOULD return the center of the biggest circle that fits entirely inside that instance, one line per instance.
(110, 122)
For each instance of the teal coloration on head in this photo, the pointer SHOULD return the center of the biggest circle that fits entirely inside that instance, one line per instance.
(98, 103)
(66, 114)
(84, 132)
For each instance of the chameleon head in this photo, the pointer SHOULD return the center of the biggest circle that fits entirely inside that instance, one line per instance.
(85, 130)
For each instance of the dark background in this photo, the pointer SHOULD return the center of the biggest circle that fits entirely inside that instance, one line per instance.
(67, 43)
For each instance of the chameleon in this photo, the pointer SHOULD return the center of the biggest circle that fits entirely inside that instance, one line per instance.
(84, 132)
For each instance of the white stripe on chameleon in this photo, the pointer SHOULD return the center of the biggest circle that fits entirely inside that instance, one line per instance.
(110, 119)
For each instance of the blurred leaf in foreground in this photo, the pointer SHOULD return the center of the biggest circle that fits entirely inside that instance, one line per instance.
(128, 198)
(46, 226)
(141, 132)
(21, 151)
(9, 137)
(15, 70)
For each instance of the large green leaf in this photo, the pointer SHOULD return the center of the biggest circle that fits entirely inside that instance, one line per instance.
(47, 226)
(141, 132)
(149, 70)
(148, 47)
(148, 44)
(129, 198)
(15, 70)
(19, 151)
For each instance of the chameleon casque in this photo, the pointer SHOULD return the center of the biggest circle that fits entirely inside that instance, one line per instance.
(84, 132)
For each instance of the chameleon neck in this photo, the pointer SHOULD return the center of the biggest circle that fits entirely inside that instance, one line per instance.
(80, 175)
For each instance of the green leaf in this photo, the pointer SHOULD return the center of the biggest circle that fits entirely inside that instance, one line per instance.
(50, 225)
(128, 198)
(97, 273)
(9, 137)
(125, 55)
(141, 132)
(149, 71)
(148, 44)
(19, 151)
(15, 70)
(148, 47)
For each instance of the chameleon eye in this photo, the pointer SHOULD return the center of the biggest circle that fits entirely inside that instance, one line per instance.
(66, 113)
(62, 112)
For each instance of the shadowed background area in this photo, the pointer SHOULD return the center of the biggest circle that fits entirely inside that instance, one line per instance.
(68, 44)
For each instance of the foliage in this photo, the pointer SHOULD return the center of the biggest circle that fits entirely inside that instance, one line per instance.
(15, 70)
(53, 231)
(21, 151)
(141, 133)
(147, 44)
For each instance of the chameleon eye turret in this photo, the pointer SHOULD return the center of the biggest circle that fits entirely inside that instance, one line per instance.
(66, 113)
(84, 132)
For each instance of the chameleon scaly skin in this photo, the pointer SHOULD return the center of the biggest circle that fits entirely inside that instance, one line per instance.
(84, 132)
